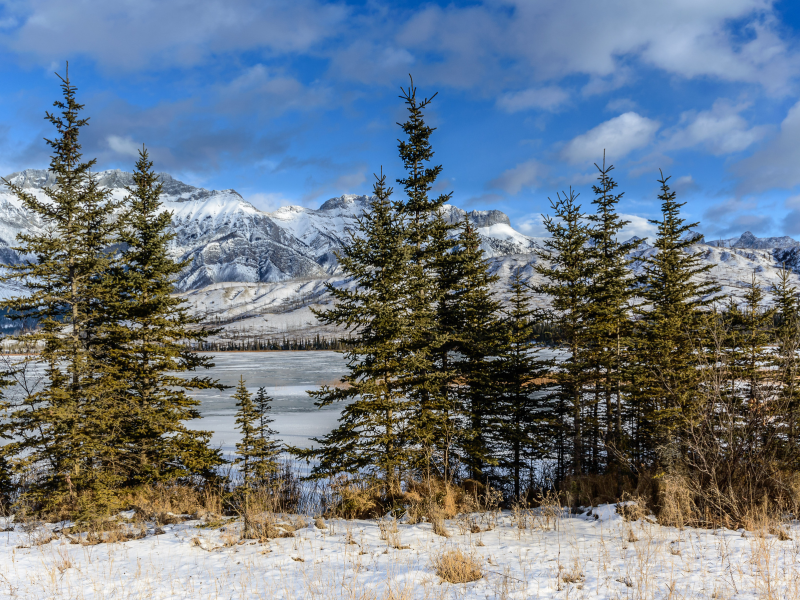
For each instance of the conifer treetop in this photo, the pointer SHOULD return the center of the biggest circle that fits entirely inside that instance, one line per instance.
(415, 153)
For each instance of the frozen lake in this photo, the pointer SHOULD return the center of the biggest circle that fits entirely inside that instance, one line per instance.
(287, 376)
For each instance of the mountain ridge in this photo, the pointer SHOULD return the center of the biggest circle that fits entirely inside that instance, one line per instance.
(252, 268)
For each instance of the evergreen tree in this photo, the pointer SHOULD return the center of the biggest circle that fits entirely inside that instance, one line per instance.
(671, 334)
(470, 314)
(787, 339)
(565, 262)
(610, 294)
(522, 418)
(443, 428)
(258, 451)
(749, 335)
(6, 473)
(427, 378)
(62, 432)
(148, 338)
(372, 437)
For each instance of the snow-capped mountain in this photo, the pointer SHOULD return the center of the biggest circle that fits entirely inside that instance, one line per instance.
(227, 239)
(748, 240)
(249, 268)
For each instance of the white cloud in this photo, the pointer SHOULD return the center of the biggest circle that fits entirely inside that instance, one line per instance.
(684, 184)
(638, 226)
(546, 98)
(545, 41)
(721, 130)
(776, 164)
(272, 91)
(531, 225)
(131, 35)
(792, 202)
(497, 44)
(621, 105)
(524, 175)
(618, 137)
(123, 145)
(268, 202)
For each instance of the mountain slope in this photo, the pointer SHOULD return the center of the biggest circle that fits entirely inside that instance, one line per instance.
(226, 239)
(248, 268)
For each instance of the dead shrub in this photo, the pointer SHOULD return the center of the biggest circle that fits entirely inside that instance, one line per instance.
(354, 499)
(574, 575)
(391, 534)
(676, 507)
(264, 526)
(454, 566)
(632, 509)
(164, 503)
(550, 509)
(436, 516)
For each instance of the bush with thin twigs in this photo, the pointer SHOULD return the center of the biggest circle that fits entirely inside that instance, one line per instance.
(455, 566)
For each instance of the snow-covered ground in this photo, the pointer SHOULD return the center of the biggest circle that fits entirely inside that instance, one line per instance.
(575, 556)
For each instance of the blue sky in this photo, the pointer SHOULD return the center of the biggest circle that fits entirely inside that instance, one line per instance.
(296, 102)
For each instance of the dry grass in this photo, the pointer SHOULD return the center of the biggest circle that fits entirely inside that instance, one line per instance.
(455, 566)
(390, 533)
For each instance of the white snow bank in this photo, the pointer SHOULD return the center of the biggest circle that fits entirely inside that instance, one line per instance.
(576, 556)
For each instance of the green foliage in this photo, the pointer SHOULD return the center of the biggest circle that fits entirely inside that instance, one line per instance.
(522, 428)
(785, 360)
(428, 374)
(108, 414)
(147, 338)
(671, 335)
(566, 263)
(610, 295)
(257, 452)
(749, 333)
(469, 318)
(372, 434)
(62, 432)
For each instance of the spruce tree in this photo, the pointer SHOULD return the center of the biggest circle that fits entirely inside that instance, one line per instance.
(63, 431)
(469, 317)
(443, 429)
(521, 423)
(150, 337)
(258, 451)
(566, 264)
(610, 294)
(749, 335)
(786, 336)
(371, 438)
(671, 335)
(426, 379)
(6, 473)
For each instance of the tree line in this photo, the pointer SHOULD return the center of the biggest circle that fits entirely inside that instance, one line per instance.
(636, 378)
(656, 376)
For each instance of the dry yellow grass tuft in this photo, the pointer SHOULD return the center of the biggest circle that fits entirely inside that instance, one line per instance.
(454, 566)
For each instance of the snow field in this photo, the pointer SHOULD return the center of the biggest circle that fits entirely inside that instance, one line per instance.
(571, 556)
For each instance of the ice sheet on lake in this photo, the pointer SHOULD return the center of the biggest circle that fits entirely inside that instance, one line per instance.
(287, 377)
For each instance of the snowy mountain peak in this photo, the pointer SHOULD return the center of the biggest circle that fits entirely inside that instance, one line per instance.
(115, 179)
(749, 241)
(351, 202)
